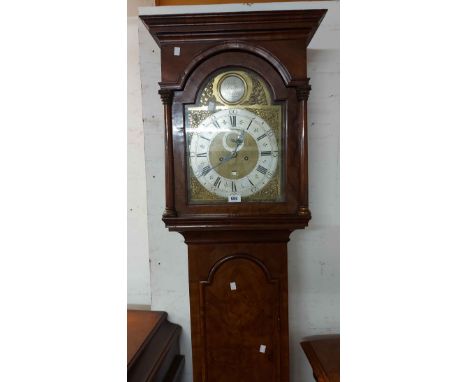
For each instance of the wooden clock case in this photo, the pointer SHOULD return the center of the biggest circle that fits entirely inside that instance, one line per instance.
(239, 331)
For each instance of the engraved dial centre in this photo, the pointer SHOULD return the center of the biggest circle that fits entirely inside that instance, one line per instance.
(234, 152)
(242, 163)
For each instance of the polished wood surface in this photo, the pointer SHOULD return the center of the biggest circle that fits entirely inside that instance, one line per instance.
(240, 333)
(230, 326)
(152, 347)
(140, 325)
(323, 353)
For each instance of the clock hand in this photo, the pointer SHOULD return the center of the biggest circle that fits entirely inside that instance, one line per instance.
(223, 160)
(239, 138)
(239, 141)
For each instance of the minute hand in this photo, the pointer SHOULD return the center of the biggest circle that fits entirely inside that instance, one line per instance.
(224, 160)
(239, 141)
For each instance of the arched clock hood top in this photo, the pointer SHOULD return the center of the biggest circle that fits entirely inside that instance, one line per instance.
(198, 36)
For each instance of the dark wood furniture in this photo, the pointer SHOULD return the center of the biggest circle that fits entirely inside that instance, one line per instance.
(152, 347)
(323, 353)
(240, 333)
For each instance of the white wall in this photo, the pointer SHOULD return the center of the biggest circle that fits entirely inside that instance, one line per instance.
(138, 275)
(313, 252)
(167, 250)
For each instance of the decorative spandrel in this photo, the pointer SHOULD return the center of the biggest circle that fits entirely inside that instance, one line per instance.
(234, 137)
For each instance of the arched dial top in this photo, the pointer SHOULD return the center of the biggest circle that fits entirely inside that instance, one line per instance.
(234, 145)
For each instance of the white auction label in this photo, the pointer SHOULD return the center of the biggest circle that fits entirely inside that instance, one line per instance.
(234, 198)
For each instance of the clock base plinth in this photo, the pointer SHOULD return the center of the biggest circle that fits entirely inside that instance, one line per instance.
(239, 305)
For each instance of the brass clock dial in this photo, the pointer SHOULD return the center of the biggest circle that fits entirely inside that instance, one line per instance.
(234, 152)
(234, 141)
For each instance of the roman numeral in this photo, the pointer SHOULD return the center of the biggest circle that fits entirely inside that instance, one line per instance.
(233, 185)
(216, 124)
(249, 124)
(233, 120)
(265, 153)
(202, 155)
(201, 136)
(261, 137)
(251, 182)
(206, 170)
(217, 182)
(262, 169)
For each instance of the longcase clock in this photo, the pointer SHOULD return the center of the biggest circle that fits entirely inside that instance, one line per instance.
(235, 88)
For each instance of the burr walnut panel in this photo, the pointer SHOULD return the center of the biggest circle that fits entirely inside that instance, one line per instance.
(240, 321)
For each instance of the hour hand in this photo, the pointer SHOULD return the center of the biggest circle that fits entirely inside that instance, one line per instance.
(239, 141)
(240, 138)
